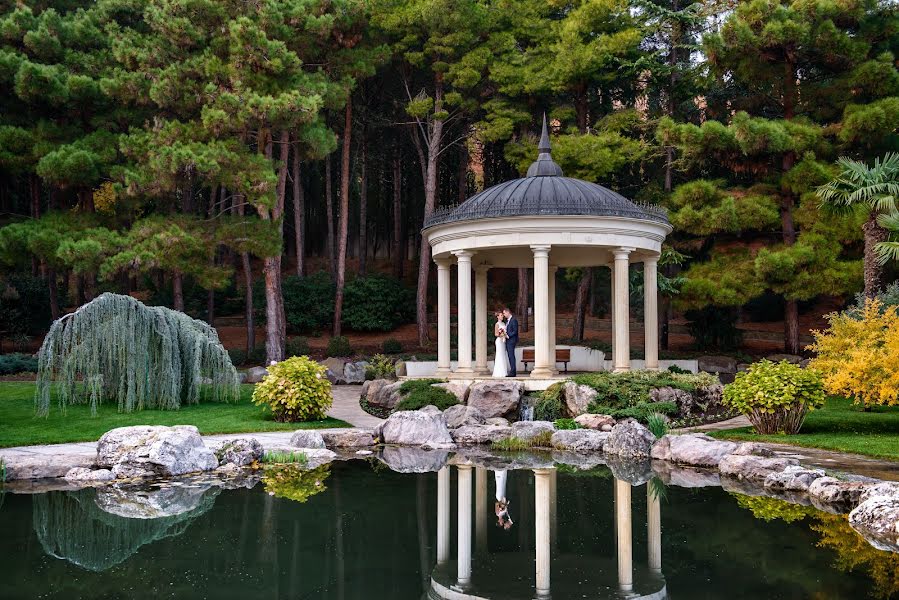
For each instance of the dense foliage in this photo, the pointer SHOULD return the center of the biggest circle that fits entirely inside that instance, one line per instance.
(295, 389)
(632, 387)
(17, 362)
(418, 393)
(775, 396)
(380, 367)
(295, 482)
(858, 353)
(377, 303)
(339, 346)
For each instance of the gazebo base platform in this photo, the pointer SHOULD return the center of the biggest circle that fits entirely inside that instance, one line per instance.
(531, 384)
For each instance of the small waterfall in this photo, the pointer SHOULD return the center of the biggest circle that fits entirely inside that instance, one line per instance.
(526, 408)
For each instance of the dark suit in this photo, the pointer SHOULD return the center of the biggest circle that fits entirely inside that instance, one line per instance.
(511, 342)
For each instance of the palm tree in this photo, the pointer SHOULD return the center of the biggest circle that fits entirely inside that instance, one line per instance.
(877, 188)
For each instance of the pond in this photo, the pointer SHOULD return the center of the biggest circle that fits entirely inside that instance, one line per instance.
(357, 529)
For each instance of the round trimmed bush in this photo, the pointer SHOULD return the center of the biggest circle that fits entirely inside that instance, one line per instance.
(295, 390)
(308, 302)
(775, 396)
(391, 346)
(339, 347)
(377, 303)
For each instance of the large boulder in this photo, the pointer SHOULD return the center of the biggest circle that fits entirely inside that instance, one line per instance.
(240, 452)
(579, 440)
(307, 438)
(137, 502)
(457, 389)
(694, 449)
(717, 364)
(480, 434)
(682, 398)
(595, 421)
(153, 450)
(354, 372)
(407, 459)
(793, 479)
(529, 430)
(89, 476)
(496, 398)
(576, 398)
(497, 421)
(399, 368)
(687, 477)
(629, 439)
(381, 393)
(877, 519)
(830, 490)
(348, 438)
(751, 467)
(460, 414)
(255, 374)
(414, 428)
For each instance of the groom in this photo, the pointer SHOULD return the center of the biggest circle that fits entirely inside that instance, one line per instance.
(511, 340)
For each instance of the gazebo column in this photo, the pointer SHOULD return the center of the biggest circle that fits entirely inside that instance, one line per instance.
(443, 317)
(552, 319)
(624, 535)
(651, 312)
(480, 320)
(654, 529)
(612, 311)
(463, 313)
(443, 514)
(542, 365)
(463, 564)
(621, 319)
(542, 530)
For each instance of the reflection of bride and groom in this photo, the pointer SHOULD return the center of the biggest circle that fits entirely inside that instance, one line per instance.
(506, 332)
(501, 507)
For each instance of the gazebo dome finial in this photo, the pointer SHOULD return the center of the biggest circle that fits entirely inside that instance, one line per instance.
(544, 166)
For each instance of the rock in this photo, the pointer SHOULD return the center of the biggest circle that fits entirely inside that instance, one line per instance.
(150, 451)
(890, 489)
(877, 519)
(595, 421)
(694, 449)
(336, 365)
(634, 471)
(496, 398)
(316, 457)
(790, 358)
(430, 409)
(717, 364)
(480, 434)
(793, 479)
(529, 430)
(240, 452)
(307, 438)
(415, 427)
(830, 490)
(742, 367)
(753, 449)
(497, 421)
(255, 374)
(141, 503)
(382, 393)
(681, 398)
(576, 398)
(461, 414)
(242, 377)
(348, 438)
(804, 363)
(406, 459)
(82, 474)
(399, 368)
(756, 468)
(579, 440)
(629, 439)
(354, 372)
(459, 390)
(228, 470)
(579, 460)
(686, 477)
(44, 466)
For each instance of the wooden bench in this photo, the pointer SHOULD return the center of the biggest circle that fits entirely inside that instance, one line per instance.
(563, 355)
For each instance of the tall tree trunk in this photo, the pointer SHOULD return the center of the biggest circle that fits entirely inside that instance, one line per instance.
(787, 203)
(462, 173)
(580, 303)
(329, 211)
(399, 256)
(249, 311)
(275, 327)
(54, 293)
(178, 291)
(521, 300)
(344, 214)
(435, 135)
(299, 212)
(363, 208)
(35, 189)
(672, 81)
(874, 234)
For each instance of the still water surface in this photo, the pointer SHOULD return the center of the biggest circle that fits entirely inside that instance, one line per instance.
(357, 530)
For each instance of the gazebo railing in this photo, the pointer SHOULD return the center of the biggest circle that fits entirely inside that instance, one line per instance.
(459, 212)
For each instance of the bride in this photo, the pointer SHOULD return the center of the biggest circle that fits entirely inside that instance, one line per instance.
(501, 362)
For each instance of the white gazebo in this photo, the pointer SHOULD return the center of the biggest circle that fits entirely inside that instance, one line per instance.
(544, 221)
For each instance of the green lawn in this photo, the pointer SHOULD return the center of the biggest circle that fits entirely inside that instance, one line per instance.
(840, 426)
(19, 426)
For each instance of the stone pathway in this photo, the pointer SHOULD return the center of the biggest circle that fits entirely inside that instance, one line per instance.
(734, 423)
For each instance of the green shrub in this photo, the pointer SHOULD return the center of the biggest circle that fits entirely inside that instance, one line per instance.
(548, 406)
(621, 390)
(298, 346)
(339, 347)
(714, 328)
(566, 424)
(640, 411)
(17, 363)
(775, 396)
(391, 346)
(238, 356)
(418, 393)
(295, 481)
(677, 369)
(380, 367)
(657, 423)
(377, 303)
(295, 389)
(308, 302)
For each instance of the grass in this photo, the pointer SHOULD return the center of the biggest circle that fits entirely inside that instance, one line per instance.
(282, 457)
(840, 426)
(19, 426)
(514, 444)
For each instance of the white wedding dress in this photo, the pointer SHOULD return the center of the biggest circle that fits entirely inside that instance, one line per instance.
(501, 362)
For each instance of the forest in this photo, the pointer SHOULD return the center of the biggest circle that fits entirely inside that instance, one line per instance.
(276, 159)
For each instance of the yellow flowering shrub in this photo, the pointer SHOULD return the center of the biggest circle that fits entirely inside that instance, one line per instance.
(859, 357)
(295, 389)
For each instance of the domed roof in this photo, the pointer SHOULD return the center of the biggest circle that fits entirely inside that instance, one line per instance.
(545, 191)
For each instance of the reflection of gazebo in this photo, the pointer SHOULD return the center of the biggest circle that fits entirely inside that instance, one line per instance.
(546, 221)
(620, 578)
